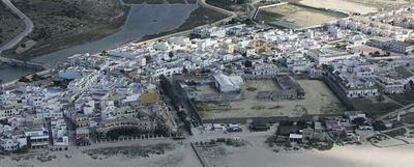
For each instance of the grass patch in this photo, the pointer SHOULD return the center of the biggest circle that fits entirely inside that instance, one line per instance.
(251, 89)
(258, 107)
(210, 106)
(10, 25)
(239, 5)
(408, 118)
(285, 130)
(130, 151)
(176, 1)
(65, 23)
(275, 107)
(395, 133)
(373, 109)
(277, 140)
(201, 16)
(268, 16)
(144, 1)
(405, 98)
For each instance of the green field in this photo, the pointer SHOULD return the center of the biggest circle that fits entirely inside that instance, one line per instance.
(240, 5)
(374, 108)
(10, 25)
(64, 23)
(404, 98)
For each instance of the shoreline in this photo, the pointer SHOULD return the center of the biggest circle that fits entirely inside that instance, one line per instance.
(65, 42)
(364, 155)
(151, 38)
(110, 30)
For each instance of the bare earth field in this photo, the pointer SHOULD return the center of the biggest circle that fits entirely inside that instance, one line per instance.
(340, 5)
(318, 100)
(299, 16)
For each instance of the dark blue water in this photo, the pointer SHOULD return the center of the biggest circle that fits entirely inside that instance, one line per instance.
(8, 73)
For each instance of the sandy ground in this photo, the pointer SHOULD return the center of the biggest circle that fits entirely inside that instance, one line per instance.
(307, 18)
(318, 99)
(256, 154)
(348, 156)
(385, 4)
(181, 156)
(302, 17)
(340, 5)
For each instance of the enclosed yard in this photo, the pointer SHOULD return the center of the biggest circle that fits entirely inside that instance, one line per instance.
(318, 100)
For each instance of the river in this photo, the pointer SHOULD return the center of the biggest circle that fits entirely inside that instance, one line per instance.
(143, 20)
(9, 73)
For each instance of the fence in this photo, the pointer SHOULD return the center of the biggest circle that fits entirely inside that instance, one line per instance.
(271, 119)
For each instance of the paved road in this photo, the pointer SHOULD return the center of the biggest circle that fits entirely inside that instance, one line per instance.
(27, 30)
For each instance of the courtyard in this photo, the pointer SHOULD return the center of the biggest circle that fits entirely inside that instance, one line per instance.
(318, 100)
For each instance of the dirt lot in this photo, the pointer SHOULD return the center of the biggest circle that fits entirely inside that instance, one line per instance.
(383, 4)
(300, 16)
(340, 5)
(318, 99)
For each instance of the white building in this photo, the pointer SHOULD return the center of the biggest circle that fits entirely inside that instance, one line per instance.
(227, 84)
